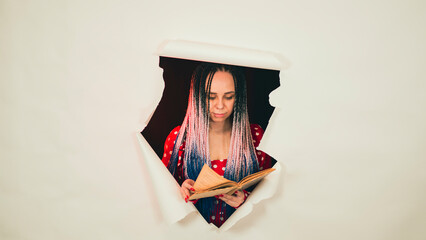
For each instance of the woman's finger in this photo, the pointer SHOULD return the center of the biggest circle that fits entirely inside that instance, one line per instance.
(231, 200)
(185, 187)
(238, 195)
(190, 182)
(182, 192)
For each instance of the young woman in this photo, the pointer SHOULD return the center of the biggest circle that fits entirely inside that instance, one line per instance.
(215, 131)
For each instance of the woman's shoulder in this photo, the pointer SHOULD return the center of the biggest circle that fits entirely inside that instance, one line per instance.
(255, 127)
(256, 133)
(170, 139)
(175, 131)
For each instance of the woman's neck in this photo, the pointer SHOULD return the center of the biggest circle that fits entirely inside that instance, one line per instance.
(220, 127)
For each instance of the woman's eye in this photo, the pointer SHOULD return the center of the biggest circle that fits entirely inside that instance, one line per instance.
(225, 97)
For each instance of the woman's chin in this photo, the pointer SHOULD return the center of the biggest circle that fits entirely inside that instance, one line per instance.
(217, 119)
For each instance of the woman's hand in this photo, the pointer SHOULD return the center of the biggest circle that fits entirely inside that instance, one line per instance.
(235, 200)
(187, 186)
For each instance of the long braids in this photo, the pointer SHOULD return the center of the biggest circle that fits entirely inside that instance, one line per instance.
(194, 132)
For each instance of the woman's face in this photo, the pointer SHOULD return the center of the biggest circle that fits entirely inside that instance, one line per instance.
(222, 96)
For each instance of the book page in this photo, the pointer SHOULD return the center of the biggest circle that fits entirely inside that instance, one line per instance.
(255, 177)
(209, 179)
(211, 193)
(209, 183)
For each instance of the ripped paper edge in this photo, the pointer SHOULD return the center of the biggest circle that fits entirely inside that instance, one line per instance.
(175, 209)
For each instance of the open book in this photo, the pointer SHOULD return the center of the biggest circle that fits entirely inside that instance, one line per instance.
(209, 183)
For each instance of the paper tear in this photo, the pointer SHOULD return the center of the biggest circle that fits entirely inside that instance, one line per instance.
(264, 190)
(206, 52)
(165, 186)
(173, 207)
(166, 189)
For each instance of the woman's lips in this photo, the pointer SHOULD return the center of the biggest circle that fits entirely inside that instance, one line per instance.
(219, 115)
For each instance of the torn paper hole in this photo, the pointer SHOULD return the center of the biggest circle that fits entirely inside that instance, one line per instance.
(174, 57)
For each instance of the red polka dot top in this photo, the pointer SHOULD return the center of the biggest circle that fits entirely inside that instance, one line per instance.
(218, 165)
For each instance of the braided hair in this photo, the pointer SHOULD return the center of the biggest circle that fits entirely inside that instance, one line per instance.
(194, 132)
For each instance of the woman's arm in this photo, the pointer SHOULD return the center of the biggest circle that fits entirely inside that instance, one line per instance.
(264, 160)
(169, 145)
(187, 184)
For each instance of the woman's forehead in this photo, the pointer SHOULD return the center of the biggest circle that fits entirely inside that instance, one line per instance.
(222, 82)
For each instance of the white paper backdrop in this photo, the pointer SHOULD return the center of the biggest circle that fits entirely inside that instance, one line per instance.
(78, 79)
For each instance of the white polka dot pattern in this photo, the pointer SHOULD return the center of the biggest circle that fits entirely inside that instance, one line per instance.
(219, 215)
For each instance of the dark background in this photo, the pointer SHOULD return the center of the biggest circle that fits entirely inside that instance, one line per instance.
(171, 110)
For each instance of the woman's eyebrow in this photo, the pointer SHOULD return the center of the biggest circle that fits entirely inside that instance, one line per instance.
(213, 93)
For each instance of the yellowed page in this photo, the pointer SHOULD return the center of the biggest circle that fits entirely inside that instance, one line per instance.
(211, 193)
(255, 177)
(208, 179)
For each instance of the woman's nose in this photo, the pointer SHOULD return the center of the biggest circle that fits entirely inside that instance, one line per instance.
(219, 103)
